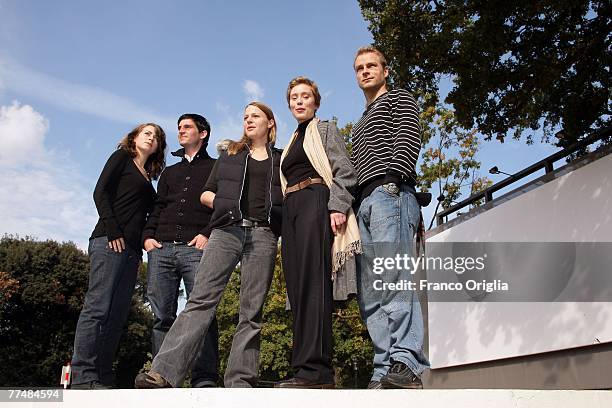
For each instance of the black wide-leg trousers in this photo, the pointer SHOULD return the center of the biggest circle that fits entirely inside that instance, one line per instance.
(306, 250)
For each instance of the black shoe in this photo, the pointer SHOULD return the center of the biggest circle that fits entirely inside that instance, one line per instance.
(151, 380)
(374, 385)
(91, 385)
(296, 382)
(400, 376)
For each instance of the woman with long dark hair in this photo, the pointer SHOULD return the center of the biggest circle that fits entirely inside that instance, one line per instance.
(244, 192)
(320, 233)
(123, 196)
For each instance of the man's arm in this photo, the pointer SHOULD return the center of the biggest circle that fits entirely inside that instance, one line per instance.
(407, 136)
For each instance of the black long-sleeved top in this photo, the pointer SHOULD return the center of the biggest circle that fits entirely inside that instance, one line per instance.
(178, 214)
(123, 198)
(296, 166)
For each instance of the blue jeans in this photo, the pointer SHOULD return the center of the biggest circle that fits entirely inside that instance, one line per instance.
(166, 267)
(387, 224)
(112, 278)
(255, 249)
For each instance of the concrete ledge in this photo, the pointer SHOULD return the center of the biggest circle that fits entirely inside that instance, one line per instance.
(251, 398)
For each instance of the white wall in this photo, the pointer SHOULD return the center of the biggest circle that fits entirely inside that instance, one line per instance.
(576, 207)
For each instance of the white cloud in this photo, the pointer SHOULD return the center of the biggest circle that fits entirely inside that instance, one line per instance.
(252, 90)
(75, 97)
(42, 192)
(22, 131)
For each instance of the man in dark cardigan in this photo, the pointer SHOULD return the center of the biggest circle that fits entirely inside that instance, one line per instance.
(174, 237)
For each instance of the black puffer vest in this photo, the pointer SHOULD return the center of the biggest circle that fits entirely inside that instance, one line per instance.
(229, 178)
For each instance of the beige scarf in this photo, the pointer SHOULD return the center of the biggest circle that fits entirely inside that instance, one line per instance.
(346, 241)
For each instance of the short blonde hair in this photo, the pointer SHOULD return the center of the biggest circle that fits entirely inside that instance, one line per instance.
(306, 81)
(370, 48)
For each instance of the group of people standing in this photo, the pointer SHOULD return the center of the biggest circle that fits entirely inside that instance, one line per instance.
(210, 215)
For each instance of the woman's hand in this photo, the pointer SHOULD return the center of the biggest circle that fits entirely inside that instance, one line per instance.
(117, 245)
(207, 198)
(337, 219)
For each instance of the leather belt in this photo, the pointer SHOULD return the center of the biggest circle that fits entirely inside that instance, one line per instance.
(303, 184)
(252, 224)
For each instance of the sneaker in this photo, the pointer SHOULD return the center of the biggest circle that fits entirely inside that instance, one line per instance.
(400, 376)
(91, 385)
(374, 385)
(151, 380)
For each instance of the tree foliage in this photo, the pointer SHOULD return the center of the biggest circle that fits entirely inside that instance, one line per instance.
(42, 287)
(449, 156)
(516, 65)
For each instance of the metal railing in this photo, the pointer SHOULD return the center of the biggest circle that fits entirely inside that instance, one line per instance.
(546, 164)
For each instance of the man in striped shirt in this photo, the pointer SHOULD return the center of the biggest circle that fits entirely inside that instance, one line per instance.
(386, 144)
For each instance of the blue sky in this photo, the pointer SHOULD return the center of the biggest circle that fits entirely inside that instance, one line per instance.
(75, 76)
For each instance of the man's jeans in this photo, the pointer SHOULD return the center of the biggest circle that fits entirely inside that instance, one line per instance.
(112, 278)
(166, 267)
(255, 249)
(387, 224)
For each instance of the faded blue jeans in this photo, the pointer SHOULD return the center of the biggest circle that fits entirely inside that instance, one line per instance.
(166, 267)
(255, 249)
(387, 224)
(112, 278)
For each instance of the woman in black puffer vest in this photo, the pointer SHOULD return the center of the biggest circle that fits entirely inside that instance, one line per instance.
(244, 192)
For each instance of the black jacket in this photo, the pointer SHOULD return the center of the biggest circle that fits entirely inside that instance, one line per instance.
(178, 214)
(227, 181)
(123, 199)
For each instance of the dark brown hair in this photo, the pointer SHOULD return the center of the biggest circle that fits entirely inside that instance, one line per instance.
(157, 161)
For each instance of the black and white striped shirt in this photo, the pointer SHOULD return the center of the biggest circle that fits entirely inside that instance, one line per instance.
(387, 139)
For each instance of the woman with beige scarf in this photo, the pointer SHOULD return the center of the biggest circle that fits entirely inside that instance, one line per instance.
(319, 230)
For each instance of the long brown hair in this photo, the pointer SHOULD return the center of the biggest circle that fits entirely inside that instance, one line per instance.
(157, 161)
(235, 147)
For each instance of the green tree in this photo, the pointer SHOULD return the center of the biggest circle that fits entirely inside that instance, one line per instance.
(448, 160)
(42, 287)
(516, 65)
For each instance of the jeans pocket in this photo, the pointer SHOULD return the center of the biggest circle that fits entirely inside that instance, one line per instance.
(384, 215)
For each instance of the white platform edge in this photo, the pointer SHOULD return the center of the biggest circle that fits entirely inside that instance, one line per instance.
(268, 398)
